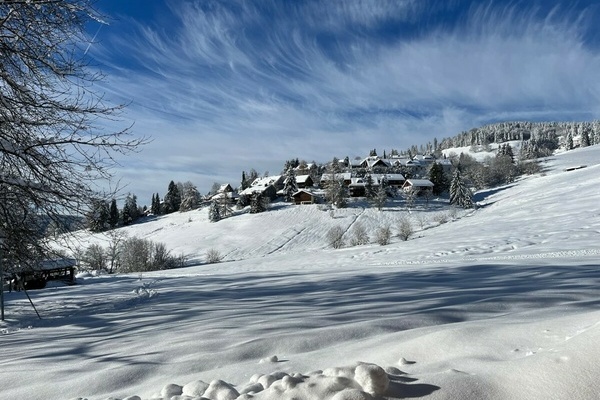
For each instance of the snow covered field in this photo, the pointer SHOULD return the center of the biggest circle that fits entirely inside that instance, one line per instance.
(500, 303)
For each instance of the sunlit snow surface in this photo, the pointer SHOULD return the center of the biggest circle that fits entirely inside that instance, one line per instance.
(499, 303)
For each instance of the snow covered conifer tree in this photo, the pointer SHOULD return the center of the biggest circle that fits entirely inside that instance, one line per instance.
(335, 191)
(172, 200)
(97, 218)
(290, 186)
(155, 208)
(244, 183)
(585, 137)
(214, 213)
(380, 198)
(460, 194)
(438, 178)
(113, 217)
(225, 208)
(369, 190)
(131, 212)
(569, 141)
(258, 203)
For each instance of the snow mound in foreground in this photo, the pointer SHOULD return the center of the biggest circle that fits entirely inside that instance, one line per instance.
(362, 381)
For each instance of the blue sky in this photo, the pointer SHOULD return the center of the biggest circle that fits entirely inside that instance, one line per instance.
(225, 86)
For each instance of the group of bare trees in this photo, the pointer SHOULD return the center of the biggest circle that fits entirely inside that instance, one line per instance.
(55, 148)
(123, 254)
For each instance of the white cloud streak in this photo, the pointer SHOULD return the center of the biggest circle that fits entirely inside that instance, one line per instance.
(226, 88)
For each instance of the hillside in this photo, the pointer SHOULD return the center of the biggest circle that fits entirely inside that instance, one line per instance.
(500, 303)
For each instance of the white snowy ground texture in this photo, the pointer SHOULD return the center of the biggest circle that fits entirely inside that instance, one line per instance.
(498, 303)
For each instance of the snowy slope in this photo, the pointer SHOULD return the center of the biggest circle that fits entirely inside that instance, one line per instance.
(500, 303)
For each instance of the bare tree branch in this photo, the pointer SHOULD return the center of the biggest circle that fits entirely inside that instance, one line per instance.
(53, 148)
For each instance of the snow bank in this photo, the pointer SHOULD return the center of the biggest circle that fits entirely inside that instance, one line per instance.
(362, 381)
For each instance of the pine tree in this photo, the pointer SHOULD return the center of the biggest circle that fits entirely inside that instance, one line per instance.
(244, 183)
(569, 141)
(508, 151)
(214, 213)
(97, 218)
(224, 203)
(380, 197)
(438, 178)
(290, 186)
(460, 194)
(258, 203)
(369, 189)
(335, 165)
(113, 217)
(155, 207)
(585, 137)
(172, 200)
(335, 191)
(131, 213)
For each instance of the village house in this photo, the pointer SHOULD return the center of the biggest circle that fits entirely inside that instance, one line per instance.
(276, 180)
(373, 163)
(419, 186)
(303, 197)
(304, 181)
(268, 191)
(327, 177)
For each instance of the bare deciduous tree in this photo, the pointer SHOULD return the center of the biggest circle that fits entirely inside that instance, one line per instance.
(335, 237)
(53, 148)
(383, 235)
(405, 229)
(359, 235)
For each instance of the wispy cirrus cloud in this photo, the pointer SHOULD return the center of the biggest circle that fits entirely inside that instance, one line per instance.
(226, 86)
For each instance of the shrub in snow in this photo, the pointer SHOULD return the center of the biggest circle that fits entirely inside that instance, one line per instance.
(213, 256)
(138, 255)
(335, 237)
(359, 235)
(383, 235)
(453, 213)
(421, 220)
(94, 258)
(405, 229)
(441, 218)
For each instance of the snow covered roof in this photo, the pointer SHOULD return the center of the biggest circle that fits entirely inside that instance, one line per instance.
(58, 263)
(419, 183)
(389, 177)
(302, 178)
(226, 187)
(303, 191)
(266, 181)
(373, 161)
(254, 189)
(307, 166)
(340, 175)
